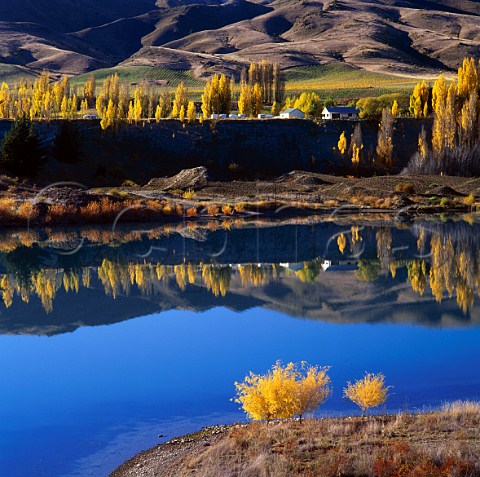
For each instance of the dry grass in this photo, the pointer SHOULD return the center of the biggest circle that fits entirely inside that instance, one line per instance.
(191, 212)
(405, 187)
(240, 207)
(445, 443)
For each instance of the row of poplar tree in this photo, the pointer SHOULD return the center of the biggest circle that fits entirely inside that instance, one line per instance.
(263, 83)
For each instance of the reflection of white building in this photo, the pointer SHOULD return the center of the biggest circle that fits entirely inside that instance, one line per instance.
(339, 265)
(293, 267)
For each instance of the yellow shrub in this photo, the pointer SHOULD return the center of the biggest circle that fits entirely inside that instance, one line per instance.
(167, 209)
(469, 200)
(284, 391)
(227, 210)
(240, 207)
(368, 392)
(189, 194)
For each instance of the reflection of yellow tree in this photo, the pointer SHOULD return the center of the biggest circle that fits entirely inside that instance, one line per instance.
(417, 274)
(46, 285)
(115, 277)
(355, 239)
(184, 273)
(384, 247)
(454, 268)
(8, 290)
(252, 274)
(309, 272)
(342, 243)
(217, 279)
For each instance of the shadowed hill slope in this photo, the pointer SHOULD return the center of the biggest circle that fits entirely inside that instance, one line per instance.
(397, 36)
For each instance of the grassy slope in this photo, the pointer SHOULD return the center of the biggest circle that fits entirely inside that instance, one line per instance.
(443, 443)
(136, 74)
(341, 80)
(335, 80)
(13, 73)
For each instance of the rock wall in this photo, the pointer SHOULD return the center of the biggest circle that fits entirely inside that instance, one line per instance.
(229, 149)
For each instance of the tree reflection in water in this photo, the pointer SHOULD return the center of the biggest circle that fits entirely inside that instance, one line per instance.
(444, 261)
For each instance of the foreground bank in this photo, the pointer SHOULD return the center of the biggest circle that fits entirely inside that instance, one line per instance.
(191, 195)
(440, 443)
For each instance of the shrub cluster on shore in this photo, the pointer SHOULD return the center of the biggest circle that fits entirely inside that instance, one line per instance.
(290, 390)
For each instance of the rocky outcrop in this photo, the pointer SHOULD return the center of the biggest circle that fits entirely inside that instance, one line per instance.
(195, 178)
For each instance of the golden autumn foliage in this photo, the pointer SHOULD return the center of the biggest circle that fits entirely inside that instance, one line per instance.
(419, 101)
(284, 391)
(342, 143)
(395, 108)
(342, 243)
(368, 392)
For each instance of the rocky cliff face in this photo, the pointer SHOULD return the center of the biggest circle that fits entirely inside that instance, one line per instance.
(229, 149)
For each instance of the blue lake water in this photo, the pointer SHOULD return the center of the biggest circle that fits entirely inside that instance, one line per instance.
(93, 371)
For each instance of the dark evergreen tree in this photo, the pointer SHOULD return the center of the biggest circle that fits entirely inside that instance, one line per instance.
(20, 152)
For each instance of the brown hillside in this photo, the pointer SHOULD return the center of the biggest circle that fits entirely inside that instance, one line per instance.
(396, 36)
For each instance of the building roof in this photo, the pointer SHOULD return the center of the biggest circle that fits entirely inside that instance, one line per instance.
(290, 110)
(342, 109)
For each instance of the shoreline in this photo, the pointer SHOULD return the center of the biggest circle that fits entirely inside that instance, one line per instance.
(355, 445)
(191, 197)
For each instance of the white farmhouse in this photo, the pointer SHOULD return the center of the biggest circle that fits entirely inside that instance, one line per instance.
(340, 112)
(292, 113)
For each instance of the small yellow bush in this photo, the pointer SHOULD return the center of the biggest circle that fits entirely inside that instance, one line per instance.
(469, 200)
(239, 207)
(368, 392)
(227, 210)
(189, 194)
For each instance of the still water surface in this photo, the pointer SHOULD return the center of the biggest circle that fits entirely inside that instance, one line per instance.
(133, 337)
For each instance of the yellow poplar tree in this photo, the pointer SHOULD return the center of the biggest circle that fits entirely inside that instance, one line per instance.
(181, 99)
(191, 112)
(245, 100)
(419, 100)
(109, 117)
(395, 108)
(181, 115)
(342, 143)
(137, 104)
(89, 91)
(256, 100)
(4, 101)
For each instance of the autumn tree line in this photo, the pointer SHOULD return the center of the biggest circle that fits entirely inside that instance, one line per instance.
(262, 84)
(453, 145)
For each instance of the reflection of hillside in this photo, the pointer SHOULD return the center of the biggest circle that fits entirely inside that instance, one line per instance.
(364, 278)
